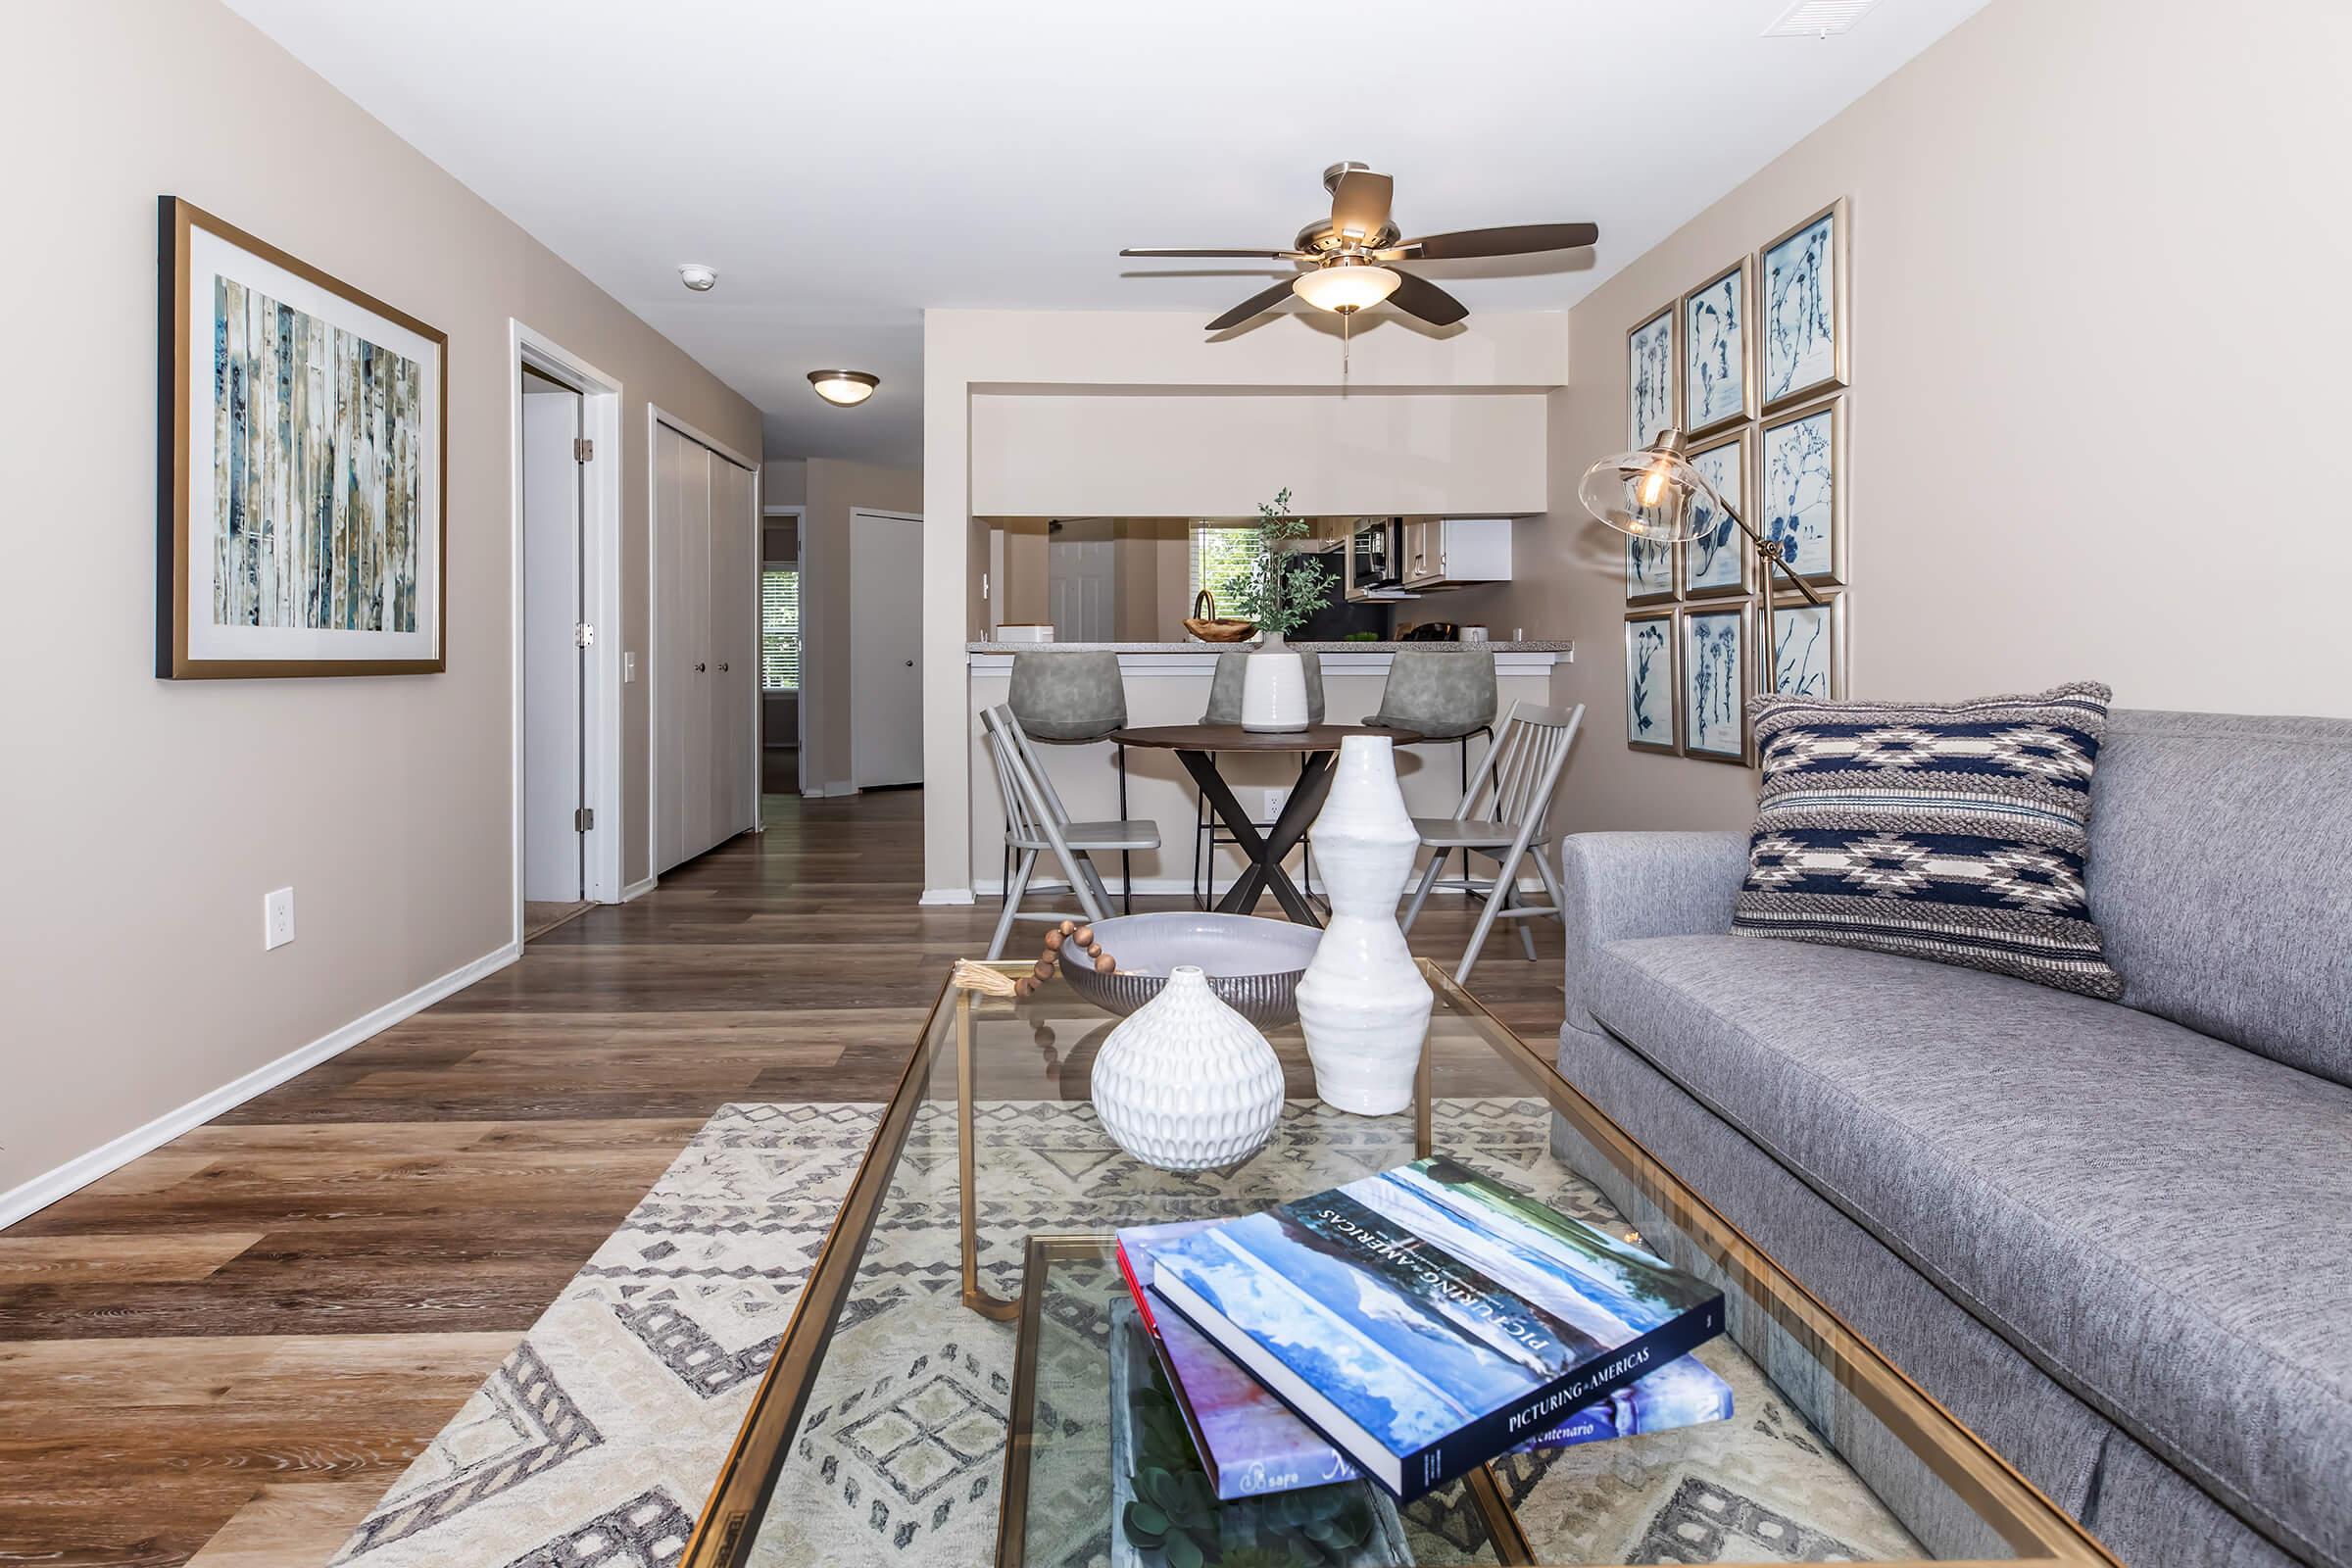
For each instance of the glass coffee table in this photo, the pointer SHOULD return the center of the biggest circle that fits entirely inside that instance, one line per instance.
(942, 1391)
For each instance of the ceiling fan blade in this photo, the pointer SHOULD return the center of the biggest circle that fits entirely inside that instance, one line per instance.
(1159, 249)
(1515, 239)
(1418, 296)
(1359, 202)
(1254, 305)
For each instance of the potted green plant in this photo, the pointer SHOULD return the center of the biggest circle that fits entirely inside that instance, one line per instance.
(1286, 587)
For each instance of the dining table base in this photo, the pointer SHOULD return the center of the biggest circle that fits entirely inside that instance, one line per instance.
(1264, 851)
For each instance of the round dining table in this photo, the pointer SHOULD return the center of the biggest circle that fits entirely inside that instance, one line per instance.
(1196, 747)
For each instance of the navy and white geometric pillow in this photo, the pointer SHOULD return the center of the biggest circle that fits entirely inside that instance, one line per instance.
(1952, 832)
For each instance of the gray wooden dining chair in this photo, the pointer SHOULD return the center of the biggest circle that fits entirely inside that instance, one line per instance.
(1506, 813)
(1036, 824)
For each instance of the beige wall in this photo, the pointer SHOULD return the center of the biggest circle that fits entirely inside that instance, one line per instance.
(147, 819)
(1219, 454)
(2094, 411)
(971, 355)
(834, 487)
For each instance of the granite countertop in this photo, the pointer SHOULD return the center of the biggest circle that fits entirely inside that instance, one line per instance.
(1531, 646)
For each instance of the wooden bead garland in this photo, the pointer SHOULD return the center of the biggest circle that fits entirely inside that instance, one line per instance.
(1069, 934)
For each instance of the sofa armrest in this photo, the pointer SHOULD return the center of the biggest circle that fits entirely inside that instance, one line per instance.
(1621, 885)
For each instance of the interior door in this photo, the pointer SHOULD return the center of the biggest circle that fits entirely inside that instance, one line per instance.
(886, 647)
(553, 848)
(694, 581)
(734, 579)
(1082, 587)
(672, 659)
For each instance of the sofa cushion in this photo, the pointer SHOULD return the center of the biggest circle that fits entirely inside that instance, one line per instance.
(1951, 831)
(2221, 875)
(2160, 1220)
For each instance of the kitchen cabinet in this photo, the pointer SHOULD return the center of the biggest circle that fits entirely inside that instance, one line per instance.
(1443, 552)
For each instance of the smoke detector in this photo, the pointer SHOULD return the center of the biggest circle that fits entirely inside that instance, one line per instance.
(1819, 19)
(698, 277)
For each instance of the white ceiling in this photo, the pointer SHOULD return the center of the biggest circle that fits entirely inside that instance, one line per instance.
(845, 166)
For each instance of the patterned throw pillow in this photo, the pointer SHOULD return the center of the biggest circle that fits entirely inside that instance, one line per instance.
(1955, 833)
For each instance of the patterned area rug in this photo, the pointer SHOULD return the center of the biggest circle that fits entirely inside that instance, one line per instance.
(594, 1444)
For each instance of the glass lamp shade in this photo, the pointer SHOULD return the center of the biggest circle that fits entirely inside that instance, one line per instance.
(843, 388)
(1346, 287)
(1646, 494)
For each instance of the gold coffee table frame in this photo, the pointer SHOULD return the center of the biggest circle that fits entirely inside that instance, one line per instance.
(2035, 1530)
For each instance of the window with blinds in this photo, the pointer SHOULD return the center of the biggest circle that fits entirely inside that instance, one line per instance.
(1221, 563)
(780, 628)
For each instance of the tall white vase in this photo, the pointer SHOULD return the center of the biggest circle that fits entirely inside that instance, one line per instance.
(1363, 1004)
(1273, 688)
(1187, 1083)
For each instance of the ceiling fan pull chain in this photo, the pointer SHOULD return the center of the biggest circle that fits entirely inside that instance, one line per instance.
(1347, 346)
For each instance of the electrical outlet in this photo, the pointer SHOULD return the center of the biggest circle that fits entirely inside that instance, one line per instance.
(1276, 799)
(278, 918)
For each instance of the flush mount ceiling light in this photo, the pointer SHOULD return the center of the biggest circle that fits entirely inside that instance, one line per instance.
(843, 388)
(1346, 286)
(698, 277)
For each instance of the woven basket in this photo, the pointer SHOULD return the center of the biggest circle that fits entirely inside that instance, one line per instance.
(1203, 623)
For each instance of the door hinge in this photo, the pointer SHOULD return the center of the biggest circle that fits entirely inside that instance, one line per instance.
(583, 635)
(583, 450)
(583, 818)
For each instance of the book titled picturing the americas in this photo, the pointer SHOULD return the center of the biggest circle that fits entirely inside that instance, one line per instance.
(1429, 1318)
(1250, 1443)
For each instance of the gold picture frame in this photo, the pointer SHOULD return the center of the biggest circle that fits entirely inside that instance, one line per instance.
(1640, 678)
(1787, 288)
(1800, 670)
(1661, 408)
(1786, 484)
(1736, 334)
(1699, 563)
(341, 402)
(1712, 700)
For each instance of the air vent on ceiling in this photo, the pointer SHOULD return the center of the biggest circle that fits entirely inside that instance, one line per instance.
(1819, 19)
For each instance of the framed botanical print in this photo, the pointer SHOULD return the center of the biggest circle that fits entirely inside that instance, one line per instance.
(1719, 385)
(1714, 685)
(302, 478)
(1650, 680)
(1801, 501)
(1808, 646)
(1648, 571)
(1717, 559)
(1802, 309)
(1651, 367)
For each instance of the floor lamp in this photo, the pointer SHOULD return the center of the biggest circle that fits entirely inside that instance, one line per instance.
(1650, 495)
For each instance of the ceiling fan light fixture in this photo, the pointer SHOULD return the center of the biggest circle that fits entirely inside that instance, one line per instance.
(1346, 287)
(843, 388)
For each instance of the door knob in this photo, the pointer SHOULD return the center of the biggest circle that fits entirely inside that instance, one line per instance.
(698, 669)
(722, 669)
(911, 663)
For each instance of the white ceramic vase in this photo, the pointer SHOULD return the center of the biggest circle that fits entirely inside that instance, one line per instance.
(1186, 1083)
(1273, 688)
(1363, 1005)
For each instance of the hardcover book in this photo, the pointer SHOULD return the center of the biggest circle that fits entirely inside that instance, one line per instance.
(1428, 1318)
(1250, 1443)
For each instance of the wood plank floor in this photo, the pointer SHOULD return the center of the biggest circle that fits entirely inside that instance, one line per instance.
(225, 1351)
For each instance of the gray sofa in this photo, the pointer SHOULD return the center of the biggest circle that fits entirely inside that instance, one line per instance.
(2113, 1238)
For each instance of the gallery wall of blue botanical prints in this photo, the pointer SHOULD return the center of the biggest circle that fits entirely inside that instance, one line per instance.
(1752, 364)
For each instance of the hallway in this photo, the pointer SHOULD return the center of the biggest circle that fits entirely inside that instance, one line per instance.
(243, 1337)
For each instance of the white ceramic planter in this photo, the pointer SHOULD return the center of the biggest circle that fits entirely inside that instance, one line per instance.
(1363, 1005)
(1274, 689)
(1187, 1083)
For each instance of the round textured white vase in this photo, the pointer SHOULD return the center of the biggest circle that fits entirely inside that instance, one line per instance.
(1363, 1004)
(1273, 689)
(1187, 1083)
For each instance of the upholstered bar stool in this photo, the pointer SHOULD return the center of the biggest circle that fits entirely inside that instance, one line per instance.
(1444, 694)
(1225, 708)
(1074, 698)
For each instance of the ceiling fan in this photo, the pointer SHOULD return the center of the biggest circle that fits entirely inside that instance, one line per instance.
(1354, 250)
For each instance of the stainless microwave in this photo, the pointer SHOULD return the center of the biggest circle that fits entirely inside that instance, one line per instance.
(1376, 553)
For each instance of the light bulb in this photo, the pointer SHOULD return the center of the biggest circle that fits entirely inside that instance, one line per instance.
(1654, 483)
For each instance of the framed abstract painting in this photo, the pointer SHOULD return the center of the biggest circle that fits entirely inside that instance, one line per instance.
(1809, 647)
(1802, 309)
(1649, 681)
(1719, 384)
(1651, 367)
(1717, 559)
(302, 491)
(1801, 470)
(1714, 687)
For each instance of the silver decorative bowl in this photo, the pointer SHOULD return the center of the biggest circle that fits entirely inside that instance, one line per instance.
(1253, 965)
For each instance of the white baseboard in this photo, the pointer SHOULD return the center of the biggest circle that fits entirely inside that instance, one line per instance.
(945, 896)
(83, 1169)
(638, 889)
